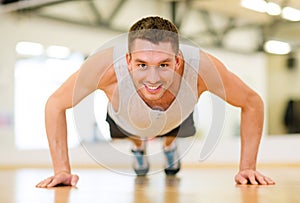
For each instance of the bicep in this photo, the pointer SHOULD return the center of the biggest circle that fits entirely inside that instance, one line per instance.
(222, 82)
(84, 81)
(236, 91)
(70, 93)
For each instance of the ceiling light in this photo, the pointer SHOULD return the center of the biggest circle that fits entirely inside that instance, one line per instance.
(273, 9)
(60, 52)
(29, 48)
(291, 14)
(256, 5)
(277, 47)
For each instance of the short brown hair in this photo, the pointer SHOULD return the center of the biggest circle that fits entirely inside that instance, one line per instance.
(154, 29)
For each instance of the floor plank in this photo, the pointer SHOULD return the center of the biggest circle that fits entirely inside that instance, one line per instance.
(208, 184)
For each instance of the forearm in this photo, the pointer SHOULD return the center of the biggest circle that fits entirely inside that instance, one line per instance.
(56, 129)
(251, 131)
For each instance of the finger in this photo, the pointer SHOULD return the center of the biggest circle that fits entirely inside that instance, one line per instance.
(252, 179)
(261, 179)
(240, 180)
(55, 182)
(39, 184)
(269, 181)
(74, 180)
(45, 182)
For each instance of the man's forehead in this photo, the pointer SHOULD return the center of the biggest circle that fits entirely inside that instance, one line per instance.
(140, 45)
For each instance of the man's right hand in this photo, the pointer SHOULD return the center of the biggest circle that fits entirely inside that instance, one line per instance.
(60, 179)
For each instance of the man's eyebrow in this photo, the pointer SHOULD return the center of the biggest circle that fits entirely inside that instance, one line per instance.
(143, 61)
(166, 60)
(139, 61)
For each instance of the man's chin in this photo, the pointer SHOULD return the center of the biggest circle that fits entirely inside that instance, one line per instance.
(151, 96)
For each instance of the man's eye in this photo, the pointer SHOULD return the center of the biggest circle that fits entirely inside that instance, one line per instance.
(163, 65)
(142, 66)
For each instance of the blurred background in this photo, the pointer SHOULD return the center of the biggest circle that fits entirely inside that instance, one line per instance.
(43, 41)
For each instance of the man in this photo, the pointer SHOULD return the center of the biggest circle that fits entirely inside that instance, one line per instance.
(152, 89)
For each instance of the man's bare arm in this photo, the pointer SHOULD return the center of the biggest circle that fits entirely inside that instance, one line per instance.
(233, 90)
(71, 92)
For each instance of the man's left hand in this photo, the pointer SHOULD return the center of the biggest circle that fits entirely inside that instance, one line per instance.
(252, 177)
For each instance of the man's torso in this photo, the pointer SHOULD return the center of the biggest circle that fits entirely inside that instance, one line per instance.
(142, 115)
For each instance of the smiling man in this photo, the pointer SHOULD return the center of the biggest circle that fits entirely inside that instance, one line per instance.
(153, 88)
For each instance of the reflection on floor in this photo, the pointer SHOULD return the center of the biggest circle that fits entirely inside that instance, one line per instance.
(204, 185)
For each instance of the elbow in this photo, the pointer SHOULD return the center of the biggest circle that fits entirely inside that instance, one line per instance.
(254, 102)
(52, 105)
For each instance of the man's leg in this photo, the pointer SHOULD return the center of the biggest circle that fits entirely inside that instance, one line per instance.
(137, 143)
(171, 154)
(186, 129)
(168, 141)
(140, 164)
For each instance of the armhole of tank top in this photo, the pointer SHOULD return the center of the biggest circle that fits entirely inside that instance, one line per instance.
(116, 61)
(119, 54)
(191, 56)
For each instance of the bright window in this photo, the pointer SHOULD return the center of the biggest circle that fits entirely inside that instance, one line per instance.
(35, 79)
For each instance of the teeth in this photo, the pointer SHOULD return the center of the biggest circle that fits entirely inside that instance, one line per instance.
(152, 87)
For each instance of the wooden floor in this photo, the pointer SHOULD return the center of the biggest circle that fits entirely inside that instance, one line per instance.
(202, 184)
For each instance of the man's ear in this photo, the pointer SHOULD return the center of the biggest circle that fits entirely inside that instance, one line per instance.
(128, 60)
(178, 60)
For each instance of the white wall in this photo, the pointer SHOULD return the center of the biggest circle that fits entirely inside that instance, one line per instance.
(283, 85)
(250, 67)
(15, 29)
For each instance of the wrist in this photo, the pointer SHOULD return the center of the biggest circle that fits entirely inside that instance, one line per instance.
(60, 171)
(247, 167)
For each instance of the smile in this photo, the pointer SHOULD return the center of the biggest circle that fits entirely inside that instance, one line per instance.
(153, 89)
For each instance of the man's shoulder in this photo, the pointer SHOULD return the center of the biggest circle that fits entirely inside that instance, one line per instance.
(101, 63)
(189, 48)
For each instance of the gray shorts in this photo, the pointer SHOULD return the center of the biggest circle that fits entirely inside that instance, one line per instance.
(185, 129)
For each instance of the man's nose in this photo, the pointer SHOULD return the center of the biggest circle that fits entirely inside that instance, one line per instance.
(153, 75)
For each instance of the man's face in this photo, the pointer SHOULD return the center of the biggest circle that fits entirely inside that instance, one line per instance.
(152, 67)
